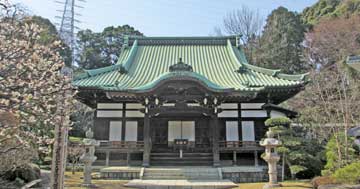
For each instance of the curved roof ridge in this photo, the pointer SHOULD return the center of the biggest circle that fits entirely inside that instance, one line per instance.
(240, 56)
(241, 59)
(122, 67)
(277, 73)
(168, 75)
(128, 62)
(294, 77)
(266, 71)
(94, 72)
(229, 47)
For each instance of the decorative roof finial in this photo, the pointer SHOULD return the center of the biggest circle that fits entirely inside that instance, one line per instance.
(180, 66)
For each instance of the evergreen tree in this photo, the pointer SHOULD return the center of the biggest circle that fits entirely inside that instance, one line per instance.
(102, 49)
(281, 42)
(300, 154)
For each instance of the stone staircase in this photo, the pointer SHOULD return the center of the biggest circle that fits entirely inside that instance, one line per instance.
(181, 173)
(188, 159)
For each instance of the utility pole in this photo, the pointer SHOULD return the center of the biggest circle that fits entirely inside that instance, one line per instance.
(67, 34)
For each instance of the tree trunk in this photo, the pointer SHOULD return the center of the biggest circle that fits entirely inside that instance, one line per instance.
(73, 168)
(283, 167)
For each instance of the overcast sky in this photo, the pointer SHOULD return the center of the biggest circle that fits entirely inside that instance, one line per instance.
(159, 17)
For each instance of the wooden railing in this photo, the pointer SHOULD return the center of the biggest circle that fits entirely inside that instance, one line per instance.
(123, 144)
(238, 145)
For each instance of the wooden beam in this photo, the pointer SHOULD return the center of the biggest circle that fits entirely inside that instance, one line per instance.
(234, 158)
(128, 159)
(256, 158)
(215, 137)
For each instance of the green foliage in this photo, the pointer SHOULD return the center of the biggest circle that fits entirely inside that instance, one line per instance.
(102, 49)
(335, 154)
(328, 9)
(322, 8)
(281, 42)
(297, 168)
(350, 174)
(302, 155)
(73, 139)
(280, 121)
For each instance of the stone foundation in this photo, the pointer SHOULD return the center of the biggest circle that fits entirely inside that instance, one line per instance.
(237, 174)
(120, 173)
(245, 174)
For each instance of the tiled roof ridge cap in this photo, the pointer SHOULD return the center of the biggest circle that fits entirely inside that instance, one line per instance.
(186, 40)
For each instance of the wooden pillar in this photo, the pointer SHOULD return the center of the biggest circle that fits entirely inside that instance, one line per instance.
(147, 141)
(234, 157)
(256, 158)
(215, 137)
(128, 158)
(107, 160)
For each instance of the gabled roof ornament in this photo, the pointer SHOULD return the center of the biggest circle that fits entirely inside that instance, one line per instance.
(180, 66)
(122, 70)
(126, 41)
(242, 69)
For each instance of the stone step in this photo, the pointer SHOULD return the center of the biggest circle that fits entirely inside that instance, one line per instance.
(164, 177)
(182, 169)
(188, 159)
(178, 158)
(165, 184)
(184, 154)
(163, 174)
(181, 174)
(172, 173)
(181, 163)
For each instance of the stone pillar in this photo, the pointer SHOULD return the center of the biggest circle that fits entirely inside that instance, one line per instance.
(147, 141)
(107, 160)
(271, 157)
(234, 158)
(87, 173)
(128, 158)
(215, 137)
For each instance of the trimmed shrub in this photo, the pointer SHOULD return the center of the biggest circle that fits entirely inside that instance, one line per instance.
(349, 174)
(279, 121)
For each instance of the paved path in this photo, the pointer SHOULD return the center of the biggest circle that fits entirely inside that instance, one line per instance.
(181, 184)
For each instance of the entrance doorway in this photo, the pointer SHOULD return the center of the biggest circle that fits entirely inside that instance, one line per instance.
(166, 131)
(181, 130)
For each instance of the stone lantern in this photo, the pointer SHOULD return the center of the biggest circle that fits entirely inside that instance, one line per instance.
(271, 157)
(89, 157)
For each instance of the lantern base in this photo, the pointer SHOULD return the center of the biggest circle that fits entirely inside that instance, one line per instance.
(268, 186)
(88, 185)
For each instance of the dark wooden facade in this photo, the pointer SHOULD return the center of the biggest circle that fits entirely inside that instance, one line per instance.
(181, 101)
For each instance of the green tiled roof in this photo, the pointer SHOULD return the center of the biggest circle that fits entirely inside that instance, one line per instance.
(217, 62)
